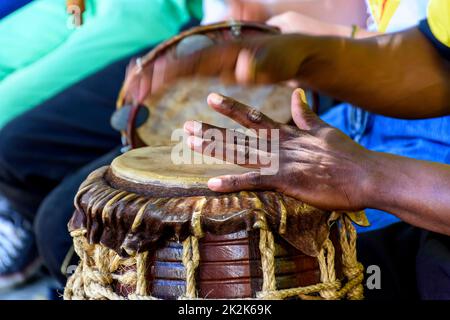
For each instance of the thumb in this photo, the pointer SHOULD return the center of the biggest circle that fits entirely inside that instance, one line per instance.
(280, 22)
(303, 116)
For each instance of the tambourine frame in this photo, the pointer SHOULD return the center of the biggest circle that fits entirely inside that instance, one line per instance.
(129, 137)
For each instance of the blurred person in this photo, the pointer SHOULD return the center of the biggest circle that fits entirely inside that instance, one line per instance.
(44, 51)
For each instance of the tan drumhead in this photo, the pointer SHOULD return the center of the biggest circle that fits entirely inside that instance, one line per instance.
(186, 100)
(154, 166)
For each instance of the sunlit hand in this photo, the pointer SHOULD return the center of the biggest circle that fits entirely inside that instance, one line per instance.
(293, 22)
(318, 164)
(248, 10)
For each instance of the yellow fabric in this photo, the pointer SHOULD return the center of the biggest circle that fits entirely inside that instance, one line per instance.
(439, 20)
(383, 11)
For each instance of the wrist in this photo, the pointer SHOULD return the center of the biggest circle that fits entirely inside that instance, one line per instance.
(378, 180)
(317, 63)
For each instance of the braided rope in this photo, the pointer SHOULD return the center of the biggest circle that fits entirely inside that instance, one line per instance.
(191, 260)
(196, 222)
(295, 292)
(353, 269)
(97, 270)
(141, 270)
(283, 217)
(327, 269)
(267, 250)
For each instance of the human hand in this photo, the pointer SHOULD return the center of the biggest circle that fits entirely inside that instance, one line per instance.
(245, 10)
(318, 164)
(294, 22)
(259, 60)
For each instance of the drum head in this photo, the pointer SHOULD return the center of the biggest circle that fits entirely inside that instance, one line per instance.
(156, 168)
(186, 100)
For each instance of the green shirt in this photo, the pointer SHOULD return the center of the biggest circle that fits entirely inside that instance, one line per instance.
(40, 55)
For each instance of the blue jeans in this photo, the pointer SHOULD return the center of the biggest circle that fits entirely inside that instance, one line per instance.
(427, 139)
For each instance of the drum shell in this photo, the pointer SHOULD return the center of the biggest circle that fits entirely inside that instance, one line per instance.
(230, 267)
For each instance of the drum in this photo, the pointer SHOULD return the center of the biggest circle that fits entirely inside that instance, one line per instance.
(145, 228)
(152, 122)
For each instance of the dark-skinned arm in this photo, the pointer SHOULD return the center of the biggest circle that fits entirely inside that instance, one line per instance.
(399, 75)
(417, 192)
(320, 165)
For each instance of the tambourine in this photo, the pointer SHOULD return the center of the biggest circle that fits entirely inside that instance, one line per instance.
(152, 122)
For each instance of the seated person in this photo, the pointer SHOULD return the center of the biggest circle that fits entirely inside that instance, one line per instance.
(43, 53)
(415, 191)
(421, 139)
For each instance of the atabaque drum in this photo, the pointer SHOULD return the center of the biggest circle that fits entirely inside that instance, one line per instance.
(151, 120)
(145, 228)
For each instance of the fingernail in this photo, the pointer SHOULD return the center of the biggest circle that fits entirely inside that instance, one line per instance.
(194, 141)
(215, 183)
(215, 98)
(302, 96)
(193, 127)
(189, 126)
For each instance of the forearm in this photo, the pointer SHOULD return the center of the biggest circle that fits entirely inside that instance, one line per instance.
(418, 192)
(398, 75)
(336, 12)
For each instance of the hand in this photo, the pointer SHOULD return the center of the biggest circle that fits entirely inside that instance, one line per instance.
(293, 22)
(248, 10)
(267, 59)
(260, 60)
(318, 164)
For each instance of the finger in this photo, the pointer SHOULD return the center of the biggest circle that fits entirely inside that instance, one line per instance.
(283, 22)
(217, 61)
(245, 68)
(131, 83)
(158, 74)
(235, 183)
(240, 154)
(241, 113)
(229, 136)
(235, 9)
(138, 84)
(278, 21)
(303, 116)
(201, 129)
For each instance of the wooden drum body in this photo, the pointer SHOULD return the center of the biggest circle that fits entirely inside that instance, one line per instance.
(146, 229)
